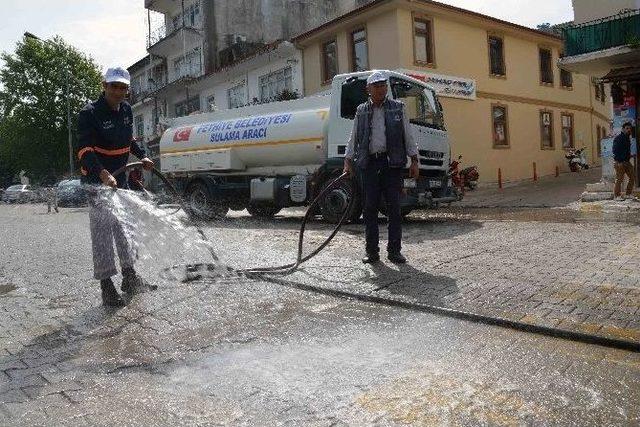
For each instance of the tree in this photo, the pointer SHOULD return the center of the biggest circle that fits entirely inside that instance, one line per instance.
(33, 109)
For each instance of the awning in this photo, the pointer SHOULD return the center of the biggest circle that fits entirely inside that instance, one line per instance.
(627, 74)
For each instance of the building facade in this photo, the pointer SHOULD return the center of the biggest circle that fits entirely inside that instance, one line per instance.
(607, 47)
(508, 107)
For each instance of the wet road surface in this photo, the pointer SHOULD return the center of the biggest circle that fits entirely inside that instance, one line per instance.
(239, 352)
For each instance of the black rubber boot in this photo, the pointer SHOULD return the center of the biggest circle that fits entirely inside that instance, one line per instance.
(133, 284)
(397, 258)
(110, 296)
(371, 258)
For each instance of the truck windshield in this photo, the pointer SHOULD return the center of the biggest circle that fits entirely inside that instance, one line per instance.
(354, 93)
(422, 106)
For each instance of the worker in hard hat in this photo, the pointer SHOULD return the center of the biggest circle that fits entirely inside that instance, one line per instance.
(105, 139)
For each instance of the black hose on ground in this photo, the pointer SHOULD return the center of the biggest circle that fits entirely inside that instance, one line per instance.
(265, 272)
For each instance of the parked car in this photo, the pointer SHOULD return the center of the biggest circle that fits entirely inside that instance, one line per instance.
(71, 193)
(19, 193)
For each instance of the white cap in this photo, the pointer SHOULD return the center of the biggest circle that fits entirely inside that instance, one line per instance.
(376, 77)
(117, 74)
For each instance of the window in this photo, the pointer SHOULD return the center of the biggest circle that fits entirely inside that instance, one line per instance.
(191, 16)
(359, 53)
(185, 108)
(423, 41)
(546, 70)
(546, 129)
(496, 56)
(138, 122)
(421, 106)
(599, 135)
(567, 130)
(236, 96)
(500, 128)
(155, 118)
(136, 84)
(329, 60)
(211, 103)
(566, 79)
(188, 65)
(603, 95)
(597, 90)
(273, 84)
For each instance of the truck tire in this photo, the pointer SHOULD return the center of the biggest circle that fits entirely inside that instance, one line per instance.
(264, 211)
(202, 205)
(334, 203)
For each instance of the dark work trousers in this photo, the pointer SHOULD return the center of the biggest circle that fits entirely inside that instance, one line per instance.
(378, 178)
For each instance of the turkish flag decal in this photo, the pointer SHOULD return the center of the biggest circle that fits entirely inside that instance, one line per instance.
(182, 134)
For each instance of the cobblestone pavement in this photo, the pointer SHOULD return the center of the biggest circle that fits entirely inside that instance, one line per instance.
(548, 191)
(234, 351)
(572, 274)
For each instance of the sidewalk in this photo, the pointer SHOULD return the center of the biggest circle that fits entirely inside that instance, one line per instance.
(546, 192)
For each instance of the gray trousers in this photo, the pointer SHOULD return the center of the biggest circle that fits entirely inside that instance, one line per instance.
(105, 228)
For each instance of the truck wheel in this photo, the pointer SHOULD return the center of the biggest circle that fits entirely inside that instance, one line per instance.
(336, 201)
(202, 205)
(264, 211)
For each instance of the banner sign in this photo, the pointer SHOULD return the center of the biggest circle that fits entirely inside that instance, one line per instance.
(447, 86)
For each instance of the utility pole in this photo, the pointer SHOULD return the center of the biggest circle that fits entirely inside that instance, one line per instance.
(67, 96)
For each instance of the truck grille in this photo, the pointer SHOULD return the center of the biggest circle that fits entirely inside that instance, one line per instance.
(431, 158)
(434, 155)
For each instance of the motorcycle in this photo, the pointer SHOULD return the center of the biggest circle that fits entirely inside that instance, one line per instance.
(577, 160)
(470, 177)
(456, 177)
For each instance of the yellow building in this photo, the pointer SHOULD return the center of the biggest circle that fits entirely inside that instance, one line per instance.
(507, 105)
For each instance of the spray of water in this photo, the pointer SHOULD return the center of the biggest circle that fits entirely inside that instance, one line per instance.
(164, 241)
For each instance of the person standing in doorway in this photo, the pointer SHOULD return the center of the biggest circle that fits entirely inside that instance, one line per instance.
(622, 162)
(105, 139)
(379, 145)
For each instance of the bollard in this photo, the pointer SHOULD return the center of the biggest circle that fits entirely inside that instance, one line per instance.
(499, 178)
(557, 171)
(535, 172)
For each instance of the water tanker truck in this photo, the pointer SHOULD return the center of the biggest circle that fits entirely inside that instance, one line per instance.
(271, 156)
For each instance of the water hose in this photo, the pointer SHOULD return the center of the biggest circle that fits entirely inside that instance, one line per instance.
(266, 272)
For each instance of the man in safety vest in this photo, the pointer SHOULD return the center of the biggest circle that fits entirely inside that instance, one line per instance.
(105, 139)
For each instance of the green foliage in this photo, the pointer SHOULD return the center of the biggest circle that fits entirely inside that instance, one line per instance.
(34, 83)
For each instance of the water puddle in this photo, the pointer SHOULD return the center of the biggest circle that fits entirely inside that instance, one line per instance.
(5, 289)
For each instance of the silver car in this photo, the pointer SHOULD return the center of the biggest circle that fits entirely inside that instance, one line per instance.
(18, 194)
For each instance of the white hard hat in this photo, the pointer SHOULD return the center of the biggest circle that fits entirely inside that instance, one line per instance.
(117, 74)
(375, 77)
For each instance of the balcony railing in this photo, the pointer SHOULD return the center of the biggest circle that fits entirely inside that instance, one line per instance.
(618, 30)
(161, 33)
(138, 95)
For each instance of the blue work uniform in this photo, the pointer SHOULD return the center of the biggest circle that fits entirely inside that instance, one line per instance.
(105, 139)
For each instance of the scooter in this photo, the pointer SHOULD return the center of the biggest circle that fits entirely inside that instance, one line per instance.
(577, 160)
(470, 177)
